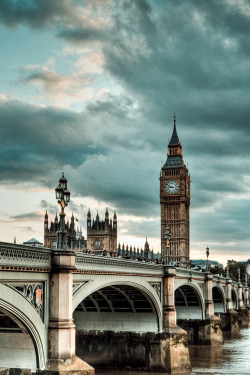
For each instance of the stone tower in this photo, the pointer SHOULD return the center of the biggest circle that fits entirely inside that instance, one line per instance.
(102, 234)
(175, 202)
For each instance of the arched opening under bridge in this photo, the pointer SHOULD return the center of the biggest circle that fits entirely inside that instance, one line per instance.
(17, 349)
(219, 303)
(117, 308)
(243, 299)
(188, 303)
(234, 299)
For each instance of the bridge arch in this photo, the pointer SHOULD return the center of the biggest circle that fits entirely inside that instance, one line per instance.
(189, 302)
(97, 296)
(219, 299)
(28, 324)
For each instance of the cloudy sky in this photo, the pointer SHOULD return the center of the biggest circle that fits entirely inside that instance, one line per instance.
(90, 88)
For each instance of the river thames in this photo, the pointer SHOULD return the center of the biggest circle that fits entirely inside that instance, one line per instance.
(231, 358)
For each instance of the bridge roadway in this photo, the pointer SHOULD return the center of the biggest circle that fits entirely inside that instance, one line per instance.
(103, 294)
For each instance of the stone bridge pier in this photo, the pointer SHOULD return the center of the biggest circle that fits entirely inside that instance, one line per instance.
(171, 353)
(243, 312)
(211, 332)
(61, 332)
(230, 319)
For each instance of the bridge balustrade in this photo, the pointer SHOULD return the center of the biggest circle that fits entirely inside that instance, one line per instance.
(21, 258)
(91, 263)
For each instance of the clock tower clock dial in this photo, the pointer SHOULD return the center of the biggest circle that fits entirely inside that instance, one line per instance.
(172, 187)
(175, 202)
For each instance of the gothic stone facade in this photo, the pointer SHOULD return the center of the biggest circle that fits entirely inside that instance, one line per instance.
(102, 235)
(175, 202)
(75, 240)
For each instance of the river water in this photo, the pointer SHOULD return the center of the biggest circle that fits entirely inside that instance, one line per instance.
(231, 358)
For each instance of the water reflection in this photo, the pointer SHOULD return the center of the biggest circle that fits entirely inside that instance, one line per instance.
(231, 358)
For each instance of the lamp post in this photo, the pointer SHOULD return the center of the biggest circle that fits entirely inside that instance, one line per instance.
(63, 198)
(239, 281)
(167, 237)
(246, 280)
(207, 253)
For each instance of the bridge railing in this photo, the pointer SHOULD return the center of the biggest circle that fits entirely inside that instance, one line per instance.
(21, 257)
(90, 262)
(219, 279)
(189, 274)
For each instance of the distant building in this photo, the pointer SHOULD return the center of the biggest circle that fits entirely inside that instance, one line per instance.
(33, 242)
(102, 234)
(75, 240)
(145, 254)
(202, 263)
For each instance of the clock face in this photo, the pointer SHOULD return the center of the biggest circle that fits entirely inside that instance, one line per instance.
(172, 187)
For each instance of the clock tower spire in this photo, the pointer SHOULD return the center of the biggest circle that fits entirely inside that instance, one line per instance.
(175, 202)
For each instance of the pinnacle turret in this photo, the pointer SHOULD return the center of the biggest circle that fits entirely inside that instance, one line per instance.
(174, 158)
(106, 213)
(174, 139)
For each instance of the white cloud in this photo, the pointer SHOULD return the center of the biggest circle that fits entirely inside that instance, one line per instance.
(3, 97)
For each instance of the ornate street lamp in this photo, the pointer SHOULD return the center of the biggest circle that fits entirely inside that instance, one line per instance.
(167, 237)
(207, 253)
(63, 198)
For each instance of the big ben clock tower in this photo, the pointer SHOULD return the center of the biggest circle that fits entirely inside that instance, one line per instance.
(175, 202)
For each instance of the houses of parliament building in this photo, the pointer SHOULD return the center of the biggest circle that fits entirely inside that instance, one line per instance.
(101, 234)
(174, 202)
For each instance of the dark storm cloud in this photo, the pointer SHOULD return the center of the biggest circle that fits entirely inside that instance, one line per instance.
(34, 140)
(82, 34)
(35, 13)
(48, 206)
(177, 60)
(98, 150)
(189, 57)
(230, 223)
(27, 216)
(144, 228)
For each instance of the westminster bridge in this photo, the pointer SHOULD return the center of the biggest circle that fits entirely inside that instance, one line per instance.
(55, 304)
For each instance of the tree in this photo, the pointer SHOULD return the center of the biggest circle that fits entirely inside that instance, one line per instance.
(218, 270)
(233, 271)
